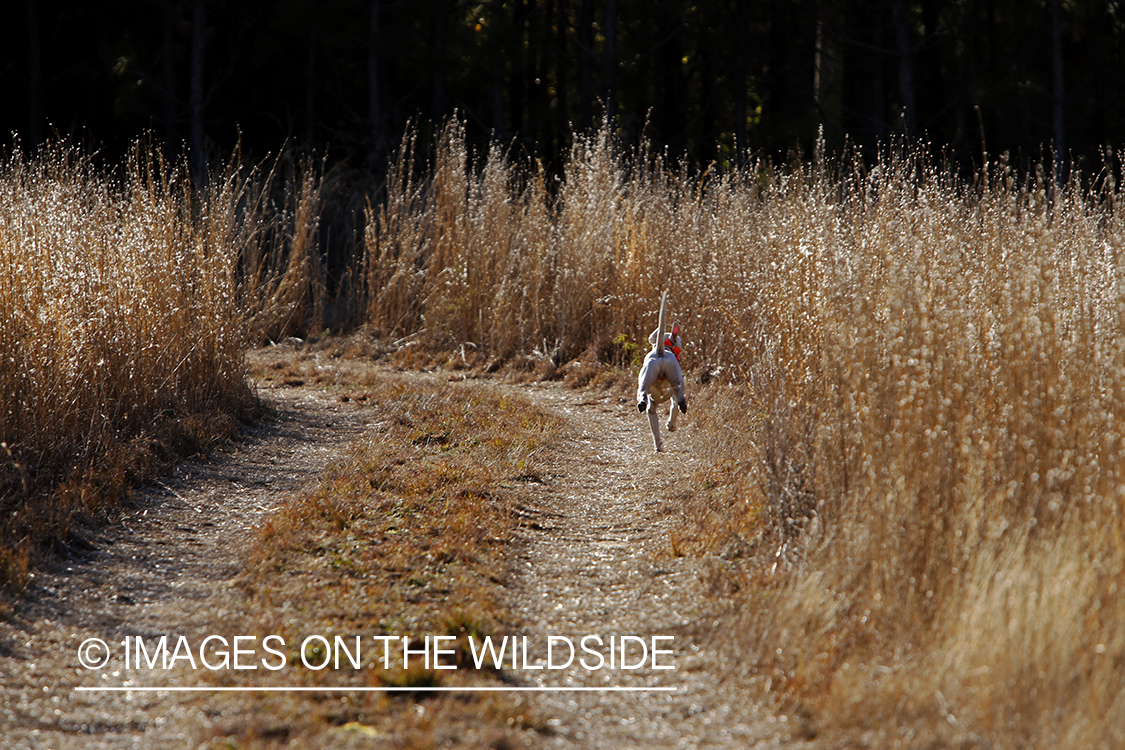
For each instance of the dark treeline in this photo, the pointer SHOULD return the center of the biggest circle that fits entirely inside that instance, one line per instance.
(710, 81)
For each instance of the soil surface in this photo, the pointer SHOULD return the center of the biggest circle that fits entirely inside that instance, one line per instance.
(594, 553)
(160, 570)
(599, 562)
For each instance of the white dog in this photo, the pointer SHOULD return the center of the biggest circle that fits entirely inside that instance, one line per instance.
(661, 377)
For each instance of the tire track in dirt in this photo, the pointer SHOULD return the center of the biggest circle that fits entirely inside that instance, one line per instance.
(162, 568)
(598, 561)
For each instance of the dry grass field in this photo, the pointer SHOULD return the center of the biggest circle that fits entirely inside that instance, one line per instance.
(127, 301)
(915, 418)
(122, 336)
(908, 385)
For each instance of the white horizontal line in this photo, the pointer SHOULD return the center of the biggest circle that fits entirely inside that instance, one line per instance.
(481, 689)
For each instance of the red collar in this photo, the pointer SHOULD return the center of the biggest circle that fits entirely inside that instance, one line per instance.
(675, 349)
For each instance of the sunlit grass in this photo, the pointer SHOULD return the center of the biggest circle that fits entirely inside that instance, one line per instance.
(913, 428)
(916, 439)
(127, 300)
(120, 316)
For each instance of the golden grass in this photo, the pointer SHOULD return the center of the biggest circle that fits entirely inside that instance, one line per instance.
(120, 312)
(410, 533)
(916, 441)
(964, 426)
(282, 284)
(127, 300)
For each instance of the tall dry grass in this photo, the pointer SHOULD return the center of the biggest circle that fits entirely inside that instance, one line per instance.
(127, 300)
(917, 445)
(489, 252)
(966, 428)
(283, 277)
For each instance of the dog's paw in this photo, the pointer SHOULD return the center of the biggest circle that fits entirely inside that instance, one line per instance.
(642, 405)
(683, 407)
(671, 426)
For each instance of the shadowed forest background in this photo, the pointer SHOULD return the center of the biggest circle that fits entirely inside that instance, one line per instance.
(712, 82)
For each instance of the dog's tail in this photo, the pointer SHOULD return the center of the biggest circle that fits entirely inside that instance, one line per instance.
(660, 325)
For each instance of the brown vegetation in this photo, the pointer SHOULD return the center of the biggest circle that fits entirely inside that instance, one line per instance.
(914, 415)
(917, 441)
(126, 304)
(409, 534)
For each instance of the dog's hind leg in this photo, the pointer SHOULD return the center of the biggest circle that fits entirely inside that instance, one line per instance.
(654, 423)
(647, 376)
(678, 393)
(672, 415)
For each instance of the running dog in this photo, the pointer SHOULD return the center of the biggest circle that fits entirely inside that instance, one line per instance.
(661, 377)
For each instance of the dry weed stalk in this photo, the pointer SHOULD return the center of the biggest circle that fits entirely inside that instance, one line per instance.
(283, 274)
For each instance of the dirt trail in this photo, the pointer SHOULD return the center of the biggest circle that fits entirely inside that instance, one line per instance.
(594, 555)
(161, 570)
(598, 561)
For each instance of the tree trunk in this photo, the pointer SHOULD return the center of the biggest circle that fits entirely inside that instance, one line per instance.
(672, 118)
(497, 53)
(610, 61)
(707, 137)
(788, 95)
(310, 92)
(172, 137)
(586, 63)
(905, 71)
(34, 79)
(933, 85)
(828, 72)
(437, 48)
(538, 123)
(879, 83)
(198, 134)
(521, 79)
(561, 120)
(1059, 93)
(740, 81)
(374, 110)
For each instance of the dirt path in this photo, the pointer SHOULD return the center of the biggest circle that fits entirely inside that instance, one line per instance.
(595, 557)
(598, 561)
(161, 570)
